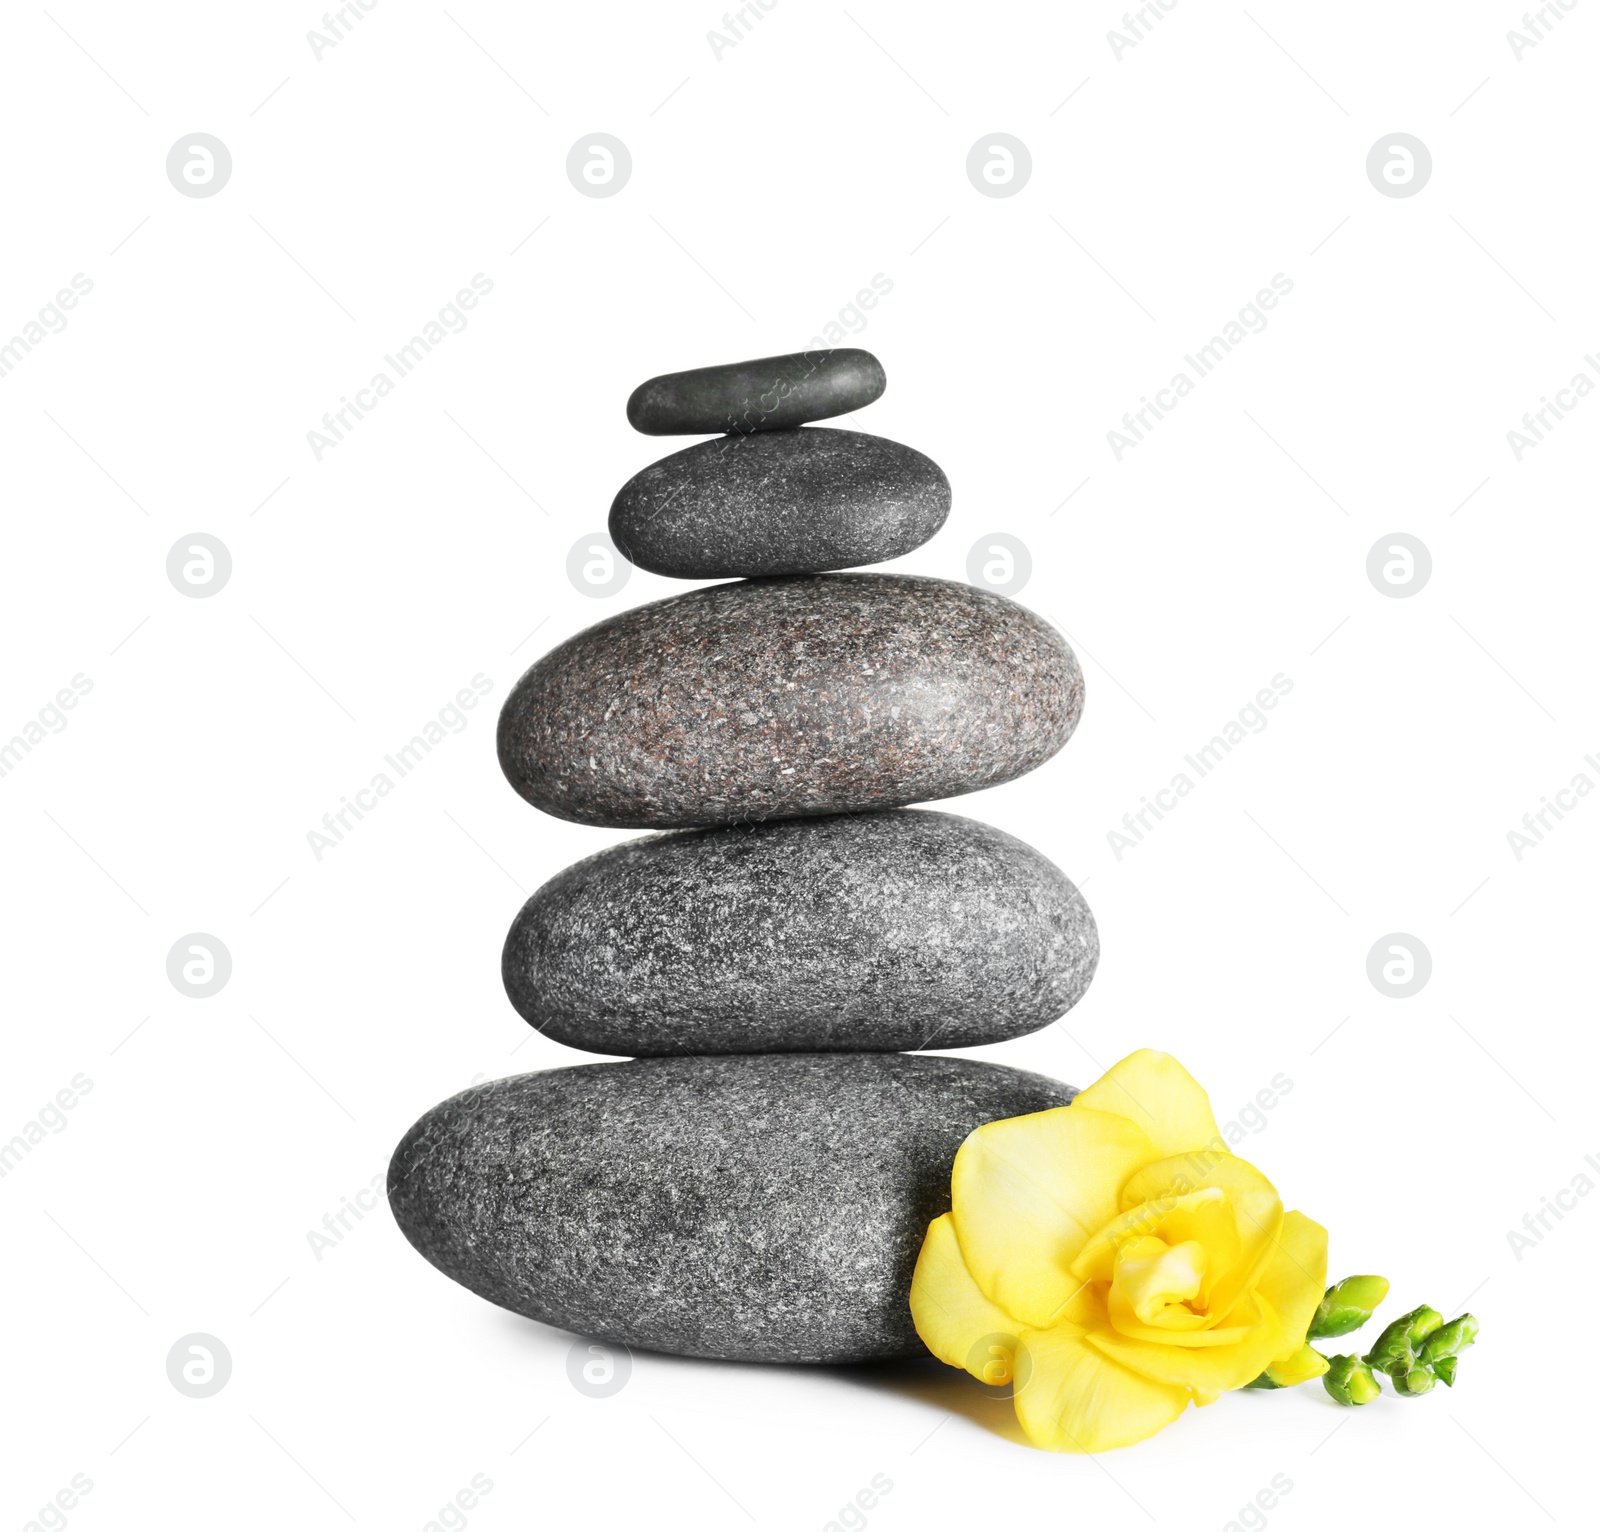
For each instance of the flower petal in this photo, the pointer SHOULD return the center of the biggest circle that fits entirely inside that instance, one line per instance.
(1206, 1370)
(1156, 1277)
(1155, 1092)
(1073, 1398)
(1257, 1211)
(1296, 1274)
(1205, 1215)
(1028, 1193)
(1298, 1366)
(1206, 1330)
(956, 1322)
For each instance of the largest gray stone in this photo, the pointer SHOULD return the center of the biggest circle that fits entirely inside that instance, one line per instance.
(904, 929)
(774, 699)
(779, 502)
(765, 1208)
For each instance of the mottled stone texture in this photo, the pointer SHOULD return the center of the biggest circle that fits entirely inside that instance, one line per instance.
(765, 1208)
(768, 394)
(773, 699)
(897, 930)
(780, 502)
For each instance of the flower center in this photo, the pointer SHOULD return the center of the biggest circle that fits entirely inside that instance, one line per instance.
(1161, 1282)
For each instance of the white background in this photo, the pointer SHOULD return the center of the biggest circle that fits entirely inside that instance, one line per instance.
(769, 185)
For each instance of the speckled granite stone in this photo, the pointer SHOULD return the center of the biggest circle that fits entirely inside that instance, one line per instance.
(780, 502)
(767, 394)
(773, 699)
(887, 931)
(765, 1208)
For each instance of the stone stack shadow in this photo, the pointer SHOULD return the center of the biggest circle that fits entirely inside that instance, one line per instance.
(755, 1181)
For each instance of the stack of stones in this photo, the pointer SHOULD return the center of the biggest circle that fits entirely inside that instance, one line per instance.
(755, 1180)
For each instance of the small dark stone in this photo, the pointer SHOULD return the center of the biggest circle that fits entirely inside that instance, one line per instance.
(781, 502)
(888, 931)
(778, 699)
(766, 1208)
(767, 394)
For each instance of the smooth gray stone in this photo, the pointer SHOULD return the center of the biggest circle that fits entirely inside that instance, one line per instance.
(778, 503)
(898, 930)
(767, 394)
(765, 1208)
(777, 699)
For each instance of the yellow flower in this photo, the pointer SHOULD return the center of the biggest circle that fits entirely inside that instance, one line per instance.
(1113, 1261)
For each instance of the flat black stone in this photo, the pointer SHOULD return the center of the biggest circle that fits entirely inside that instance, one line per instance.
(905, 929)
(778, 699)
(766, 1208)
(778, 503)
(767, 394)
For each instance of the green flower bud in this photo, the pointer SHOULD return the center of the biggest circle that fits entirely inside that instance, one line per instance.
(1424, 1321)
(1411, 1380)
(1346, 1306)
(1349, 1380)
(1449, 1341)
(1400, 1339)
(1442, 1350)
